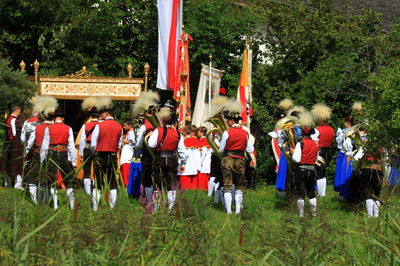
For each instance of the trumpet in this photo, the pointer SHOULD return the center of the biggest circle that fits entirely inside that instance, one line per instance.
(219, 127)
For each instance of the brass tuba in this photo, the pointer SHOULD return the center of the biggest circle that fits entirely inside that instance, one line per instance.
(156, 123)
(286, 125)
(219, 127)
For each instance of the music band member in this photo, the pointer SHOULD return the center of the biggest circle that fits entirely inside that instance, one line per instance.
(234, 143)
(326, 134)
(59, 148)
(305, 155)
(167, 141)
(106, 140)
(85, 150)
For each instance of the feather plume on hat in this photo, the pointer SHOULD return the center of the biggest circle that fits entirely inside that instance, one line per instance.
(90, 102)
(145, 100)
(44, 104)
(234, 107)
(357, 106)
(306, 120)
(321, 112)
(285, 104)
(103, 103)
(164, 113)
(218, 103)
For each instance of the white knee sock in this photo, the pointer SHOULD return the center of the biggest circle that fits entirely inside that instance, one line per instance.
(95, 199)
(300, 207)
(18, 182)
(33, 192)
(211, 185)
(147, 193)
(369, 205)
(53, 193)
(156, 200)
(321, 187)
(313, 205)
(228, 201)
(87, 183)
(71, 198)
(376, 205)
(238, 200)
(171, 198)
(113, 198)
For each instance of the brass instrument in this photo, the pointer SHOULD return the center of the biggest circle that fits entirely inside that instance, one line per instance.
(156, 123)
(286, 125)
(219, 127)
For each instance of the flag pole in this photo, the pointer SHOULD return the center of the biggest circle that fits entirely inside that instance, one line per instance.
(209, 90)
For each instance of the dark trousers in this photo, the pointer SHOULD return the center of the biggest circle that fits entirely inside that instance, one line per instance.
(165, 171)
(33, 170)
(58, 160)
(368, 185)
(105, 169)
(216, 169)
(88, 157)
(147, 169)
(324, 153)
(305, 180)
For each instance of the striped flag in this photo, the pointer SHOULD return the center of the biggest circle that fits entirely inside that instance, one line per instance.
(244, 89)
(169, 31)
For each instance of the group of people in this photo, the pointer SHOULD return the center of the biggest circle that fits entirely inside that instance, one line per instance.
(304, 150)
(153, 156)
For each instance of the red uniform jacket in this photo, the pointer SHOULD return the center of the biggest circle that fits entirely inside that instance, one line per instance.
(309, 151)
(59, 134)
(89, 126)
(326, 136)
(109, 134)
(39, 134)
(170, 142)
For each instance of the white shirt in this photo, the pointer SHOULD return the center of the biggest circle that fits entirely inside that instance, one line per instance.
(70, 146)
(225, 136)
(13, 127)
(27, 129)
(82, 141)
(141, 135)
(128, 148)
(95, 135)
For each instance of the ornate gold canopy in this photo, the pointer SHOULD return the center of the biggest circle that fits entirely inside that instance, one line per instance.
(82, 84)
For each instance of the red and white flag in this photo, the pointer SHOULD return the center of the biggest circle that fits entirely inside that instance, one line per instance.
(244, 95)
(169, 31)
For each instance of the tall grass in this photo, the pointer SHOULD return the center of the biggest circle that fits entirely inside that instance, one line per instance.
(197, 232)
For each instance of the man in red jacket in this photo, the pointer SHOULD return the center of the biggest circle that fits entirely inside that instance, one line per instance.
(12, 158)
(85, 150)
(326, 134)
(167, 142)
(234, 143)
(106, 140)
(59, 147)
(305, 155)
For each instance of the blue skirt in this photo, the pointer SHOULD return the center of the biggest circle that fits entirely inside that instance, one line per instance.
(134, 179)
(282, 171)
(394, 176)
(345, 190)
(340, 166)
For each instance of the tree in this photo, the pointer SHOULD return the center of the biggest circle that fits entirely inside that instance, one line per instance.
(14, 86)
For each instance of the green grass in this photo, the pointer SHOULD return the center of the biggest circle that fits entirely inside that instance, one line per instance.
(197, 232)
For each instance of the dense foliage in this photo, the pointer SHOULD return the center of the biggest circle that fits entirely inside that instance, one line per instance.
(314, 51)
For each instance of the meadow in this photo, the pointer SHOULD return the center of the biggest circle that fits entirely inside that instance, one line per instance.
(268, 232)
